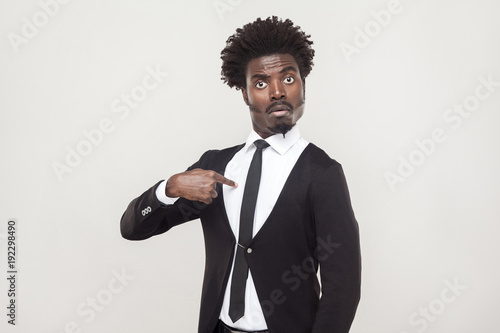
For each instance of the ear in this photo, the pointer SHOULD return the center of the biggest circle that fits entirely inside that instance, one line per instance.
(245, 95)
(304, 86)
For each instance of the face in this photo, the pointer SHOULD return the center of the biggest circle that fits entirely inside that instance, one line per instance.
(274, 93)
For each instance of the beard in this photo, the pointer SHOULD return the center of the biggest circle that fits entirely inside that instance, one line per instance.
(281, 128)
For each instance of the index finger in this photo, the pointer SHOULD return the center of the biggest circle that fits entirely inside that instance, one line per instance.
(223, 180)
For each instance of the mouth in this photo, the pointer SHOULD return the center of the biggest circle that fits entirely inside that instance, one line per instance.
(279, 113)
(280, 110)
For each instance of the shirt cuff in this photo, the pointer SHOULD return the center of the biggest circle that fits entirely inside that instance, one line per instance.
(160, 194)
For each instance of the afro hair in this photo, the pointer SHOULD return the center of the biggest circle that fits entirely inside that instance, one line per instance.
(261, 38)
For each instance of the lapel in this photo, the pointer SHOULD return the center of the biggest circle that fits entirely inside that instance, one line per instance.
(296, 173)
(219, 165)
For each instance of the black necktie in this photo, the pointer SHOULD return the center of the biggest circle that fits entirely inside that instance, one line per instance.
(240, 271)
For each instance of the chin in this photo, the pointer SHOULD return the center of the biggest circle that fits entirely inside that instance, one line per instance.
(282, 128)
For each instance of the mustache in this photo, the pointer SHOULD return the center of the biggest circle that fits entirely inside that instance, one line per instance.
(272, 105)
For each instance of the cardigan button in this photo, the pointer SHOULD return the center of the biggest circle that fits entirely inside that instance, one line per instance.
(249, 250)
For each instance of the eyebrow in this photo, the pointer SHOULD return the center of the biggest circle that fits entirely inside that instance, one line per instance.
(288, 69)
(265, 76)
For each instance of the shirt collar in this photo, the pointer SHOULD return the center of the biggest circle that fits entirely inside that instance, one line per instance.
(279, 143)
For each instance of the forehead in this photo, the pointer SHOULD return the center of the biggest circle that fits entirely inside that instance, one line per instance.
(270, 63)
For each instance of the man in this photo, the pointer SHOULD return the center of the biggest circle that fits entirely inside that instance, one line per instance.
(273, 210)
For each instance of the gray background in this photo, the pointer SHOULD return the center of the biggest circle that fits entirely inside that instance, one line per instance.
(439, 226)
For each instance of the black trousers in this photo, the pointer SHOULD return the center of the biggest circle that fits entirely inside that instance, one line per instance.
(221, 328)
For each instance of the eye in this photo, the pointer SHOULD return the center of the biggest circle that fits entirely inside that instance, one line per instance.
(289, 80)
(260, 85)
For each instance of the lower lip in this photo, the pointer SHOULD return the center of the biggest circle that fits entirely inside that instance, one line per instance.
(280, 113)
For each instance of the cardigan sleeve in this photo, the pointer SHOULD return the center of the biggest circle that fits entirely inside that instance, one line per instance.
(146, 216)
(338, 252)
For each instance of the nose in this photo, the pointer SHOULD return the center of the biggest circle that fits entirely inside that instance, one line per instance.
(277, 91)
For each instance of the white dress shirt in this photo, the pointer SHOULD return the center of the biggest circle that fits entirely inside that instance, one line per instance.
(277, 163)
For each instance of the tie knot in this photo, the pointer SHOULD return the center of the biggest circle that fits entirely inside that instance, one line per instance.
(261, 144)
